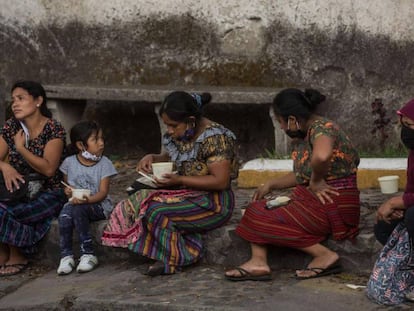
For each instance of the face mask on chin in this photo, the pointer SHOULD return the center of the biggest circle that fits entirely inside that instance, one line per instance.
(295, 134)
(89, 156)
(407, 137)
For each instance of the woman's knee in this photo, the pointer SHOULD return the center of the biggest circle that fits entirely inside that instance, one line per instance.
(154, 214)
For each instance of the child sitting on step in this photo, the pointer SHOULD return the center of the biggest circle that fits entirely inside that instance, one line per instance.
(85, 168)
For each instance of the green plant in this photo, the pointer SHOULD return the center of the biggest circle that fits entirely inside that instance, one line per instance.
(273, 154)
(386, 152)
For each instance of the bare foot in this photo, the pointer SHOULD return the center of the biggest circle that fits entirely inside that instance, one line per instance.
(324, 261)
(253, 267)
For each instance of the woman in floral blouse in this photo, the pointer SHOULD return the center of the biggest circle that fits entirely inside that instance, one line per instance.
(166, 223)
(30, 142)
(324, 202)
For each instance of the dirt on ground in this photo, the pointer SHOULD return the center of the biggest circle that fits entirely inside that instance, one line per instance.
(126, 176)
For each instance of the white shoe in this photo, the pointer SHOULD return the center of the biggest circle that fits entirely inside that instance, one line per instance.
(66, 266)
(87, 263)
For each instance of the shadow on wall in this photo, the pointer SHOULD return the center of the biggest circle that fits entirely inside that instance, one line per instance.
(134, 129)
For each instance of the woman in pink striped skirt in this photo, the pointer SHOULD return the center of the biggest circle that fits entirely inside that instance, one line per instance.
(325, 200)
(166, 223)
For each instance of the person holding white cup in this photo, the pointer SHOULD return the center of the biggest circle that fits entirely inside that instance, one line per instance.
(166, 223)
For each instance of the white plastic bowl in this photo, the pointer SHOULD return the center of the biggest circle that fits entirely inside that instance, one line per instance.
(389, 184)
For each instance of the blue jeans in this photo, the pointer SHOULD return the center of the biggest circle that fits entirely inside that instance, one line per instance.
(78, 217)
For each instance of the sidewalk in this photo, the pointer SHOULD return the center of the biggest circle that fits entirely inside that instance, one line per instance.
(118, 283)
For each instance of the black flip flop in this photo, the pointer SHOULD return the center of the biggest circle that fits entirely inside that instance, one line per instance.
(156, 269)
(335, 269)
(247, 276)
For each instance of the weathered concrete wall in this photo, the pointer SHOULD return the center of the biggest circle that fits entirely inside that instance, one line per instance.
(353, 51)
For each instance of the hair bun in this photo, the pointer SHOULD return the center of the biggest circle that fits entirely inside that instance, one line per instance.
(314, 97)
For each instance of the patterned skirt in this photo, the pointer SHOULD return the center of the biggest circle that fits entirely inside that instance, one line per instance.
(25, 224)
(305, 221)
(166, 225)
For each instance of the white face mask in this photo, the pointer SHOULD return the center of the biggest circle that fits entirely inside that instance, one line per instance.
(89, 156)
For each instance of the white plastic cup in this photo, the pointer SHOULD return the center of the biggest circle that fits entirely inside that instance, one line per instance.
(389, 184)
(80, 193)
(161, 168)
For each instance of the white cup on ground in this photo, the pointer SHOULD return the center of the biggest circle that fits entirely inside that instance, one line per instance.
(80, 193)
(161, 168)
(389, 184)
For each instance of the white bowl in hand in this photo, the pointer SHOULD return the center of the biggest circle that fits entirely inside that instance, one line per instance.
(80, 193)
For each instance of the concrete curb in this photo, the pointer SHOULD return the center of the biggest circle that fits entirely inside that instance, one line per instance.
(258, 171)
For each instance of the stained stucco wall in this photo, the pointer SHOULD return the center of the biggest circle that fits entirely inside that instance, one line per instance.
(353, 51)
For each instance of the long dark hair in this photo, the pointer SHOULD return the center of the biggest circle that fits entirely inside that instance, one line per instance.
(81, 131)
(294, 102)
(35, 89)
(179, 105)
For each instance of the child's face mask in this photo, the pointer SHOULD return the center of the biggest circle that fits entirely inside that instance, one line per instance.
(89, 156)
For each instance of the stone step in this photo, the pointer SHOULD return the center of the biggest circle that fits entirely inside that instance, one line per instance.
(224, 247)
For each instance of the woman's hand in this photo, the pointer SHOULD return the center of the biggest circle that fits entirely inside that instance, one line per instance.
(12, 177)
(19, 140)
(145, 164)
(261, 191)
(322, 191)
(168, 180)
(391, 210)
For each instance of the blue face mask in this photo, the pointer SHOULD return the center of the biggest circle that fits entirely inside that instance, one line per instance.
(189, 132)
(89, 156)
(188, 135)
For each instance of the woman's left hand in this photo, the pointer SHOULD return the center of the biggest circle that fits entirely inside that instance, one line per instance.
(168, 180)
(323, 191)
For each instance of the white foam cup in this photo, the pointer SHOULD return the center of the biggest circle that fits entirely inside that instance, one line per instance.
(389, 184)
(161, 168)
(80, 193)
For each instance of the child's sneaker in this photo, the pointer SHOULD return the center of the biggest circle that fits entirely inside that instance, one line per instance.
(87, 263)
(66, 266)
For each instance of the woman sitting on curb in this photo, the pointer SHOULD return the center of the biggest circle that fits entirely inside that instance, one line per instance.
(31, 142)
(325, 201)
(166, 223)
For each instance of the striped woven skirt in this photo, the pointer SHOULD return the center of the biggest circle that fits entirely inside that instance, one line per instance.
(167, 225)
(25, 224)
(304, 222)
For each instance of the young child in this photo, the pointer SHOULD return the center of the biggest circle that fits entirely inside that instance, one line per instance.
(85, 168)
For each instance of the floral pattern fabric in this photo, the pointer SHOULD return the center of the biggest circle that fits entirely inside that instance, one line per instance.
(344, 160)
(52, 130)
(216, 143)
(391, 278)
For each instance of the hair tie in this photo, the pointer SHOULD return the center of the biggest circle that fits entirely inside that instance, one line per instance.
(197, 97)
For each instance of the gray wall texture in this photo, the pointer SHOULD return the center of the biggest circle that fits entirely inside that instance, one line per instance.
(353, 51)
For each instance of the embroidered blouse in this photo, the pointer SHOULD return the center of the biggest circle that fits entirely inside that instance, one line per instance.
(216, 143)
(52, 130)
(344, 160)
